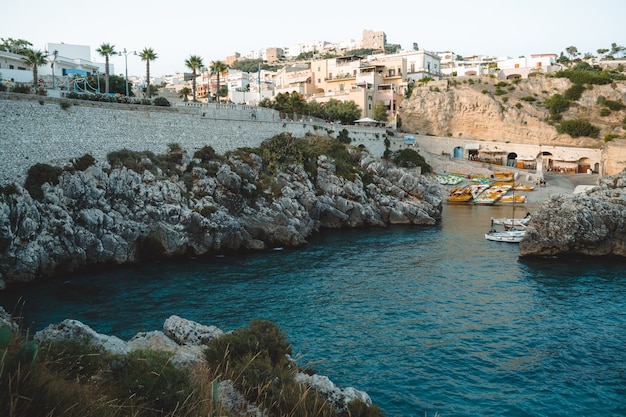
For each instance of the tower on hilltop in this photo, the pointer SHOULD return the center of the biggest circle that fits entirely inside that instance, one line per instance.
(374, 40)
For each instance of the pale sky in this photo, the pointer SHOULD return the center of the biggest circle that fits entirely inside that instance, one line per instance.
(215, 29)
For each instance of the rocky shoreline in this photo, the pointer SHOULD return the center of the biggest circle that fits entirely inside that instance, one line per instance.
(102, 215)
(588, 223)
(187, 341)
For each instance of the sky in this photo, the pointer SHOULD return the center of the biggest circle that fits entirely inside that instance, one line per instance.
(214, 30)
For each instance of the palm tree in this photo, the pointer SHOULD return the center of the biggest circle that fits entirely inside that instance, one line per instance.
(148, 55)
(194, 63)
(218, 67)
(34, 59)
(106, 51)
(183, 93)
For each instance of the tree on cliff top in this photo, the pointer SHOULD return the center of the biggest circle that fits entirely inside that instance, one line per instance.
(106, 50)
(148, 55)
(194, 63)
(34, 59)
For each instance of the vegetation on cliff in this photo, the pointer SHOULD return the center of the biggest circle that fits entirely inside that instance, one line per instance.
(577, 106)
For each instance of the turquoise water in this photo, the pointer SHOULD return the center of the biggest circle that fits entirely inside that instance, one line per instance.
(425, 320)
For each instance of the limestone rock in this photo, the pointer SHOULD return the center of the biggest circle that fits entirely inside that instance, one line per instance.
(117, 216)
(478, 109)
(187, 332)
(75, 330)
(592, 223)
(339, 397)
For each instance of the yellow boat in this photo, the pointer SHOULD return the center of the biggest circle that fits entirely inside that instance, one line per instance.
(508, 199)
(460, 195)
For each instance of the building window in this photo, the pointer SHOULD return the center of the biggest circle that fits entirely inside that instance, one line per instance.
(538, 64)
(516, 65)
(369, 106)
(330, 75)
(341, 87)
(319, 80)
(392, 72)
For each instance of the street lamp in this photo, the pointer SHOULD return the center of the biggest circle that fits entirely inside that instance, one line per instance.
(125, 53)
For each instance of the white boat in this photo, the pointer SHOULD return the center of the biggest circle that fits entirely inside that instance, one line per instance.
(511, 222)
(510, 236)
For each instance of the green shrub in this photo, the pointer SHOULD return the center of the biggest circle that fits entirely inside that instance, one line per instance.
(557, 104)
(530, 99)
(162, 101)
(205, 154)
(255, 359)
(133, 160)
(574, 92)
(578, 127)
(343, 136)
(409, 158)
(65, 104)
(600, 100)
(38, 175)
(150, 377)
(518, 105)
(9, 190)
(610, 136)
(84, 162)
(206, 211)
(614, 105)
(604, 112)
(499, 92)
(75, 359)
(24, 89)
(357, 408)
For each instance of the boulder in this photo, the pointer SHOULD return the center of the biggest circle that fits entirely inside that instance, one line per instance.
(589, 223)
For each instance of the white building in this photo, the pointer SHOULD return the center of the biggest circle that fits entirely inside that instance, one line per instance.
(64, 62)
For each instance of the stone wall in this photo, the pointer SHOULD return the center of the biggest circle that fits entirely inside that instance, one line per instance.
(38, 130)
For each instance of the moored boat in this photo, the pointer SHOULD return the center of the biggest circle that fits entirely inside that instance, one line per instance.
(515, 198)
(508, 236)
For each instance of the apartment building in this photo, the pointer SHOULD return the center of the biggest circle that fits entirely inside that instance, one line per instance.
(503, 67)
(296, 78)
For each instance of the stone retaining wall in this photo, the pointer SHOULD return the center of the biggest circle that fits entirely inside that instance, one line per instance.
(38, 130)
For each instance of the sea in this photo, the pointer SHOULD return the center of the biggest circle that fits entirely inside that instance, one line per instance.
(428, 320)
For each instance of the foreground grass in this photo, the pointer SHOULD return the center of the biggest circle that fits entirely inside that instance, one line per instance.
(75, 378)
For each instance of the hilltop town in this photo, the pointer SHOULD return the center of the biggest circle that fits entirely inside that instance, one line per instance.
(524, 100)
(369, 72)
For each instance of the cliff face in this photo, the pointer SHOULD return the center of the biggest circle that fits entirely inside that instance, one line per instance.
(118, 216)
(479, 109)
(591, 223)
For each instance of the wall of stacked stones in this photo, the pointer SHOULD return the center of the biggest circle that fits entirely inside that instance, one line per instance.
(39, 130)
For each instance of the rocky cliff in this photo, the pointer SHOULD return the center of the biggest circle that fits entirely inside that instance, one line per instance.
(105, 215)
(489, 109)
(591, 223)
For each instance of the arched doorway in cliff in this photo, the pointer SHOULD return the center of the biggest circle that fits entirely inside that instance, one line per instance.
(470, 73)
(511, 159)
(584, 166)
(546, 161)
(458, 152)
(513, 76)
